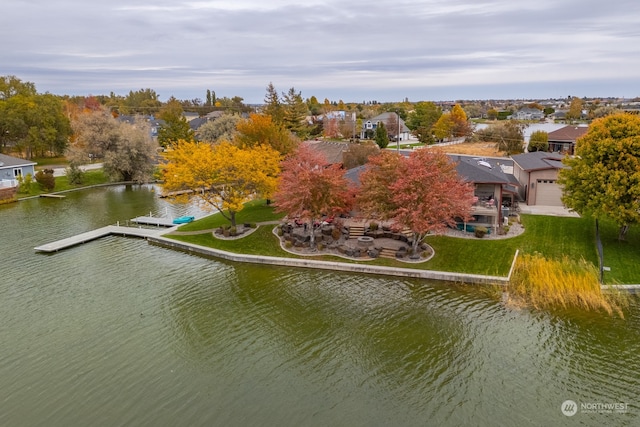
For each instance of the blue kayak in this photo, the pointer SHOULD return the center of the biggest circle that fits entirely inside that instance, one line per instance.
(183, 219)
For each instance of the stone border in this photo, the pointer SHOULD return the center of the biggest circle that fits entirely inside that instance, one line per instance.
(328, 265)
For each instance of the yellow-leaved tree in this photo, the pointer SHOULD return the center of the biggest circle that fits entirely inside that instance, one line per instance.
(221, 176)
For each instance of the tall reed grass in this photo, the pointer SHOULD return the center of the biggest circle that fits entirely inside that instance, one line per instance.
(545, 283)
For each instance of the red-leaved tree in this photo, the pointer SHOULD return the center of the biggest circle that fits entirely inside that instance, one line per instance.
(309, 187)
(422, 192)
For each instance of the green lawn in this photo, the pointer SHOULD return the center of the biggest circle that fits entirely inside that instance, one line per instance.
(553, 237)
(91, 177)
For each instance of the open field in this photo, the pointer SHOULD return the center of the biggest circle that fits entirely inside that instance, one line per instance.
(484, 149)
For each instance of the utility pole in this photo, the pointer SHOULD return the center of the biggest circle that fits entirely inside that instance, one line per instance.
(398, 135)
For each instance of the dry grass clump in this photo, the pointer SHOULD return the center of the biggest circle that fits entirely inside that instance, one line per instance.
(487, 149)
(544, 283)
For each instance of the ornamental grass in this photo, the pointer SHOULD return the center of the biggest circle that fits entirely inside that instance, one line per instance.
(547, 283)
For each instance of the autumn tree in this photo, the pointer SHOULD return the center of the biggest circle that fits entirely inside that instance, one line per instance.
(575, 109)
(603, 179)
(127, 151)
(538, 141)
(222, 177)
(443, 128)
(175, 127)
(309, 187)
(422, 192)
(222, 128)
(260, 129)
(461, 126)
(330, 127)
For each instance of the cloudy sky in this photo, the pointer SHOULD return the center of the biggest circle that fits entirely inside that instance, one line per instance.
(350, 50)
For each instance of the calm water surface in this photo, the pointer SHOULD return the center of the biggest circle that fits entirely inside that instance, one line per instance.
(120, 333)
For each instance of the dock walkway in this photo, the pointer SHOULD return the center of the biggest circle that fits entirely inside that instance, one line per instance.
(154, 220)
(98, 233)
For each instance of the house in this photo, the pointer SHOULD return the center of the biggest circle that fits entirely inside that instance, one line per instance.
(331, 150)
(495, 188)
(11, 168)
(527, 113)
(563, 140)
(537, 174)
(398, 129)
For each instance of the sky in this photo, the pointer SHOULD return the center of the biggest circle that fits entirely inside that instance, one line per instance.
(349, 50)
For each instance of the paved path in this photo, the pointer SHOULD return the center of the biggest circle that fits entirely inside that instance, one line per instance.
(63, 171)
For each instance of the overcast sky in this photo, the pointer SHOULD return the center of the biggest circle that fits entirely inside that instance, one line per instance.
(350, 50)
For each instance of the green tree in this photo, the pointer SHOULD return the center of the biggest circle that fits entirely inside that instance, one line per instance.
(143, 101)
(31, 123)
(422, 119)
(603, 179)
(539, 141)
(175, 127)
(295, 113)
(381, 137)
(273, 105)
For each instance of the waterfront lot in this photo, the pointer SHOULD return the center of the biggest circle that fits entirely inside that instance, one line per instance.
(554, 237)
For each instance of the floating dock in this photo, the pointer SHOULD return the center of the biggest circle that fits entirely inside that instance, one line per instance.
(96, 234)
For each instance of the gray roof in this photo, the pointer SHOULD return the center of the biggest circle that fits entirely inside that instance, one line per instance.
(10, 162)
(539, 160)
(485, 170)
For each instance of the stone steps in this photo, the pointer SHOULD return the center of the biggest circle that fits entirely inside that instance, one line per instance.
(388, 253)
(356, 231)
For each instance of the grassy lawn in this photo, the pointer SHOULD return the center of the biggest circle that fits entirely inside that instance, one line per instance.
(553, 237)
(91, 177)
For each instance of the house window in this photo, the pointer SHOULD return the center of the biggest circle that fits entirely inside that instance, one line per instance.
(17, 172)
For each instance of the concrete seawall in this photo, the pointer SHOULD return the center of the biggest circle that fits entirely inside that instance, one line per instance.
(329, 265)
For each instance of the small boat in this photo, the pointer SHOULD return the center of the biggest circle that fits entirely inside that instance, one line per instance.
(183, 219)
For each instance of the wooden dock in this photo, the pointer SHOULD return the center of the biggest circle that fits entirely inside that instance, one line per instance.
(96, 234)
(153, 220)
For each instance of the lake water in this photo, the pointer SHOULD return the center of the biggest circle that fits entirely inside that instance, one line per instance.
(117, 332)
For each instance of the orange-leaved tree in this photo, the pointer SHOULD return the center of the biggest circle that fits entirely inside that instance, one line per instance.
(222, 176)
(422, 192)
(259, 129)
(309, 187)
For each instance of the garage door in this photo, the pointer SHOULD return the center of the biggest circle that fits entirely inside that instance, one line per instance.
(548, 193)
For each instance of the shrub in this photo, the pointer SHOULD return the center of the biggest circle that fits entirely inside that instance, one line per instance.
(288, 244)
(336, 233)
(480, 232)
(233, 230)
(75, 175)
(373, 226)
(46, 179)
(25, 183)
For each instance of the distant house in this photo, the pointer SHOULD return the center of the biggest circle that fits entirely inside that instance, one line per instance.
(537, 174)
(11, 168)
(369, 126)
(527, 113)
(563, 140)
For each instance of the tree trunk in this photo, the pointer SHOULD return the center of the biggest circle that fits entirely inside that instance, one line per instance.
(312, 241)
(622, 233)
(232, 217)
